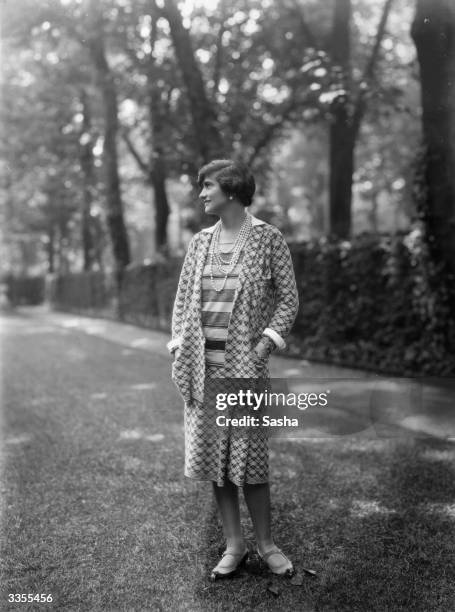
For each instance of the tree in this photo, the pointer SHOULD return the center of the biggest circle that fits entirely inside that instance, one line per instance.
(433, 31)
(43, 185)
(115, 220)
(209, 142)
(181, 82)
(242, 77)
(140, 50)
(347, 112)
(88, 171)
(55, 36)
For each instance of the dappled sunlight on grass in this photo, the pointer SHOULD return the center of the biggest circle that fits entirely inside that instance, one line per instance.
(132, 463)
(366, 445)
(144, 342)
(143, 386)
(155, 437)
(136, 434)
(361, 508)
(88, 326)
(421, 423)
(290, 372)
(447, 510)
(98, 395)
(447, 454)
(98, 511)
(168, 488)
(18, 439)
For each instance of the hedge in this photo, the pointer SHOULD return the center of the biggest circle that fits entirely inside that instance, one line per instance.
(25, 290)
(375, 302)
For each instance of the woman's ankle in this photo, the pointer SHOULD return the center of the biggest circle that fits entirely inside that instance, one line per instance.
(236, 544)
(264, 546)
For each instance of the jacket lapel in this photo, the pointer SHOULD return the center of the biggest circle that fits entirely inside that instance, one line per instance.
(201, 257)
(250, 256)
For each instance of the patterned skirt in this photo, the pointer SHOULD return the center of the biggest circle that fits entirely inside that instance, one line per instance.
(222, 453)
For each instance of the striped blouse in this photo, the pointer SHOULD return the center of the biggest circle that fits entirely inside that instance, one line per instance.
(217, 308)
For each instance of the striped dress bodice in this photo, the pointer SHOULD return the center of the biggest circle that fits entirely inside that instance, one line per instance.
(217, 308)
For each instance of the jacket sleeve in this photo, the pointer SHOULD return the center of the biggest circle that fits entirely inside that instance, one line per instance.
(179, 303)
(286, 295)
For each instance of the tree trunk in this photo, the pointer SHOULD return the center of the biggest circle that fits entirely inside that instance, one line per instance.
(206, 133)
(157, 164)
(51, 249)
(158, 180)
(115, 219)
(341, 136)
(342, 145)
(433, 31)
(346, 123)
(374, 212)
(87, 166)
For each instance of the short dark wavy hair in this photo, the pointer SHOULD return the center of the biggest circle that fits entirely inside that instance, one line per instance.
(234, 178)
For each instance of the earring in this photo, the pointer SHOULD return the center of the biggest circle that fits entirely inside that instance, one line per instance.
(231, 197)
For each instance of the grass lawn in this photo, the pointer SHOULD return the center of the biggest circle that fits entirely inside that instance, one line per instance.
(96, 510)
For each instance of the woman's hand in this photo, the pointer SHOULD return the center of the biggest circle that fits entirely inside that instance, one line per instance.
(261, 351)
(264, 347)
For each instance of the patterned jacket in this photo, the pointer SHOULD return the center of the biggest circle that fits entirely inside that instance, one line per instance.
(265, 303)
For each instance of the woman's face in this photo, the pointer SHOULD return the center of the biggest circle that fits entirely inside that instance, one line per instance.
(212, 196)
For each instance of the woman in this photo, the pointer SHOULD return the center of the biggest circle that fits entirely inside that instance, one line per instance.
(236, 302)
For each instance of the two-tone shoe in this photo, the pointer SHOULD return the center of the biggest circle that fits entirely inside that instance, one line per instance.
(234, 562)
(281, 569)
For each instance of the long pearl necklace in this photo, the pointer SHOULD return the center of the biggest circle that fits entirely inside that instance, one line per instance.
(225, 267)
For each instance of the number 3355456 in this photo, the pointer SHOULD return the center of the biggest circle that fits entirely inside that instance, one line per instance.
(29, 597)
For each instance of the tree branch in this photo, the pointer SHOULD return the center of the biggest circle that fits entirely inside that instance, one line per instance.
(152, 41)
(269, 132)
(203, 112)
(134, 152)
(218, 57)
(304, 27)
(369, 69)
(219, 50)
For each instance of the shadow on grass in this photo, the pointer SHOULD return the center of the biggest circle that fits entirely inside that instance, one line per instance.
(376, 525)
(398, 550)
(107, 522)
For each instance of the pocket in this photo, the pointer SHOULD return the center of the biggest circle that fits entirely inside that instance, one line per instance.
(259, 362)
(266, 273)
(175, 367)
(262, 292)
(259, 279)
(173, 370)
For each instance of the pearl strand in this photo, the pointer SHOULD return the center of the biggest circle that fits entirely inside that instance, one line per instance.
(215, 254)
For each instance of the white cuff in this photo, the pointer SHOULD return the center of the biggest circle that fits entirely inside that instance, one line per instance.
(174, 344)
(273, 335)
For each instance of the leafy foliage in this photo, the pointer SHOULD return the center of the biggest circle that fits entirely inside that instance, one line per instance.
(267, 72)
(371, 303)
